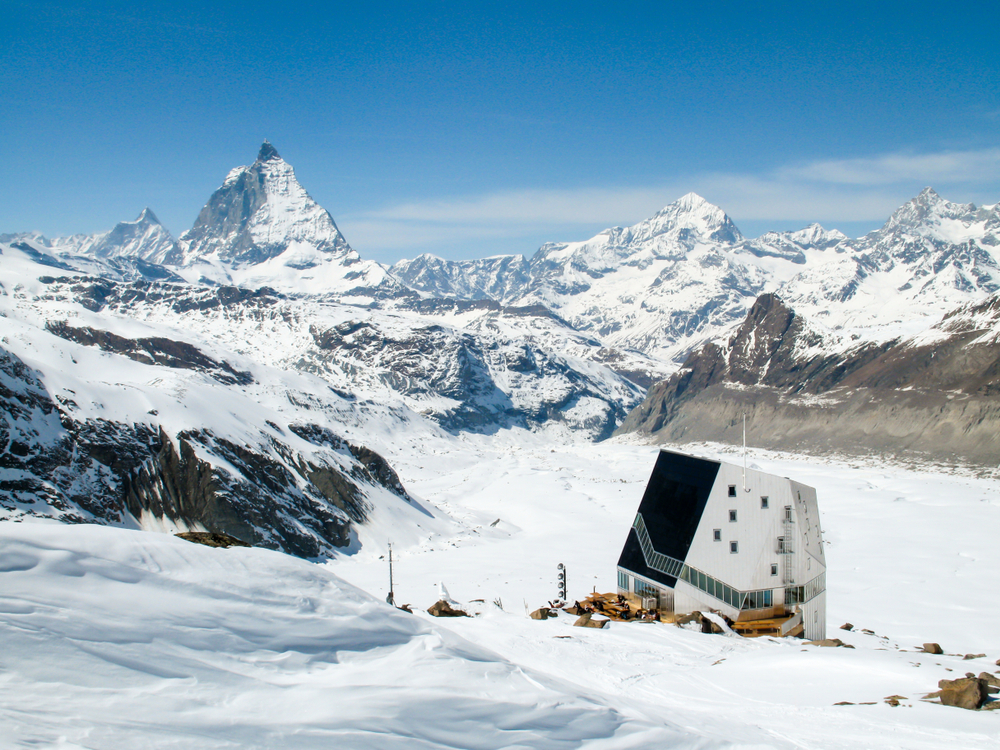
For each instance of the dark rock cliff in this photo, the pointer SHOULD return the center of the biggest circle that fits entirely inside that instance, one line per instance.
(99, 471)
(937, 398)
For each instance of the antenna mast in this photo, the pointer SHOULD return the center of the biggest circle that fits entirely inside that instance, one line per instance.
(391, 598)
(745, 488)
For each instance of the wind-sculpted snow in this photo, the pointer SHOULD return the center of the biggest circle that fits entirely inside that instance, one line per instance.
(156, 642)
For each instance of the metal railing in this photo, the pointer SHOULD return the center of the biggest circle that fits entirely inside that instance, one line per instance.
(665, 564)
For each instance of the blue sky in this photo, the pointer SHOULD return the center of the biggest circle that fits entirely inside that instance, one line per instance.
(467, 129)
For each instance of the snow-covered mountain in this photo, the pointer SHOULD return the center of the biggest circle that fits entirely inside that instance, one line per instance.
(687, 274)
(246, 411)
(145, 239)
(259, 356)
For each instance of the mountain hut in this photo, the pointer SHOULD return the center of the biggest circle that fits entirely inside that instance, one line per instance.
(714, 536)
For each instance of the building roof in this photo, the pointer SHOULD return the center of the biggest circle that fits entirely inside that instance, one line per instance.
(671, 509)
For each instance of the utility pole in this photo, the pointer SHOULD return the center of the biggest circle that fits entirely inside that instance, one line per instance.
(391, 598)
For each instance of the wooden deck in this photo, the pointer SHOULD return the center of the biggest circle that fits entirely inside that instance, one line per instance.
(776, 622)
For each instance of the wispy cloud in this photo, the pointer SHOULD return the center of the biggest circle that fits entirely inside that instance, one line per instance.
(830, 191)
(888, 169)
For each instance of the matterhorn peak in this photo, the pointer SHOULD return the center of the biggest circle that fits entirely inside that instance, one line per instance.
(258, 213)
(267, 152)
(147, 217)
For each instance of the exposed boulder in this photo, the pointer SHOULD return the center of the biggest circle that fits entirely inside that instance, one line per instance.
(441, 608)
(965, 692)
(586, 621)
(932, 648)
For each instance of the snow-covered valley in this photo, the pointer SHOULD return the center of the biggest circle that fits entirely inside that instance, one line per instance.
(257, 377)
(118, 638)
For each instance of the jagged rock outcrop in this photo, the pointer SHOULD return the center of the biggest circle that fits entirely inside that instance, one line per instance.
(99, 471)
(934, 394)
(155, 350)
(52, 466)
(266, 496)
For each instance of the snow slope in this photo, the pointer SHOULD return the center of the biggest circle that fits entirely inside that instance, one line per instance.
(118, 639)
(153, 642)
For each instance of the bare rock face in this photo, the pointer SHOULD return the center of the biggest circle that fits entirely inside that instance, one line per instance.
(275, 501)
(57, 467)
(212, 540)
(100, 471)
(939, 399)
(965, 692)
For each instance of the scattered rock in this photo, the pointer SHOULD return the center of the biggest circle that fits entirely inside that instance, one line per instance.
(829, 642)
(933, 648)
(965, 692)
(543, 613)
(585, 621)
(893, 700)
(844, 703)
(212, 539)
(973, 656)
(406, 608)
(441, 608)
(990, 679)
(847, 626)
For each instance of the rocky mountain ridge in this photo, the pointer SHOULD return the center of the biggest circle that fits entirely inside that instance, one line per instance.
(932, 395)
(687, 274)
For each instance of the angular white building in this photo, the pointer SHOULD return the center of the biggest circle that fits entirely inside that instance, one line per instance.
(710, 536)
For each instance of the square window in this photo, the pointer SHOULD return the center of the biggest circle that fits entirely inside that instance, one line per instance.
(732, 515)
(717, 535)
(734, 547)
(732, 490)
(763, 501)
(774, 569)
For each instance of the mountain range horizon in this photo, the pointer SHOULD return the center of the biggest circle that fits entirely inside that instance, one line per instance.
(268, 152)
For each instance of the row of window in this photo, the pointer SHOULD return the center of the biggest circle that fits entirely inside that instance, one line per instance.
(732, 597)
(763, 504)
(671, 566)
(759, 599)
